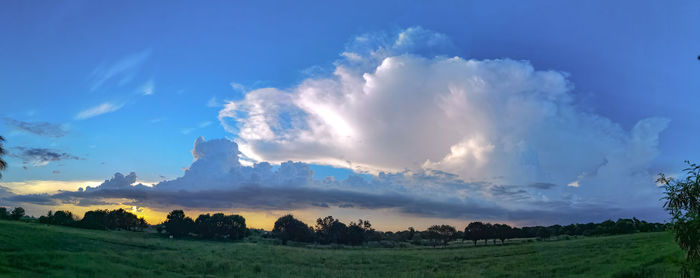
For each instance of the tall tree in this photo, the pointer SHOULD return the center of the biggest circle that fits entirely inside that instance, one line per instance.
(234, 227)
(331, 230)
(3, 164)
(359, 232)
(502, 232)
(289, 228)
(489, 233)
(475, 231)
(178, 224)
(682, 201)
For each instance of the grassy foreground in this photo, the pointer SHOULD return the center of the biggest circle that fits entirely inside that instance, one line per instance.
(36, 250)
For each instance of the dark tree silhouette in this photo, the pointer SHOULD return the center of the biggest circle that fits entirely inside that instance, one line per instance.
(489, 233)
(17, 213)
(360, 232)
(338, 233)
(624, 226)
(204, 227)
(122, 219)
(682, 201)
(94, 219)
(502, 232)
(443, 233)
(97, 219)
(234, 227)
(356, 234)
(475, 231)
(544, 233)
(220, 226)
(178, 224)
(289, 228)
(4, 214)
(330, 230)
(411, 233)
(3, 164)
(61, 217)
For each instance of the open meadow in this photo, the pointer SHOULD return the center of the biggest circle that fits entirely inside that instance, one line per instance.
(37, 250)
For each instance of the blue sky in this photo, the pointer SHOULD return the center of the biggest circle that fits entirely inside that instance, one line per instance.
(162, 72)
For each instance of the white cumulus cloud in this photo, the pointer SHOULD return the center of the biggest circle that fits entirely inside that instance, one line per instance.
(394, 104)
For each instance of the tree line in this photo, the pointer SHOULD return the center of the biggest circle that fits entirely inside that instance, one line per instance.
(16, 214)
(476, 231)
(215, 226)
(118, 219)
(330, 230)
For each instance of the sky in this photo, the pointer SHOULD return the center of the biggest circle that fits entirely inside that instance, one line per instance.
(403, 113)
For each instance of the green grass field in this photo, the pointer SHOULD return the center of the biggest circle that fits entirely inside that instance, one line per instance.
(36, 250)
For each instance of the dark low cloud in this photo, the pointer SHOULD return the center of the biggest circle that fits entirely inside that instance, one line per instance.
(38, 128)
(5, 192)
(38, 199)
(542, 185)
(40, 156)
(255, 197)
(510, 192)
(217, 181)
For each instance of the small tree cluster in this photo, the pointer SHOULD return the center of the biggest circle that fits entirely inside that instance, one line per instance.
(442, 234)
(118, 219)
(220, 226)
(207, 226)
(330, 230)
(476, 231)
(16, 214)
(64, 218)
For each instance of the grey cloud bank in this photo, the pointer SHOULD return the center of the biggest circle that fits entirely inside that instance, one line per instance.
(217, 180)
(38, 128)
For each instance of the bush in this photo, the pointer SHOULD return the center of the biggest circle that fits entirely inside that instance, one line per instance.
(17, 213)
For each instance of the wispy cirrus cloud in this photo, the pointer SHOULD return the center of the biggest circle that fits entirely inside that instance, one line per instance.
(148, 88)
(38, 128)
(188, 130)
(213, 102)
(103, 108)
(122, 71)
(238, 87)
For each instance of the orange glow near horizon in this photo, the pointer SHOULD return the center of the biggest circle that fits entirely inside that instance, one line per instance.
(381, 219)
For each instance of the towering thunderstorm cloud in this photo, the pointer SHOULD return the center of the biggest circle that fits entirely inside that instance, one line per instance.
(433, 135)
